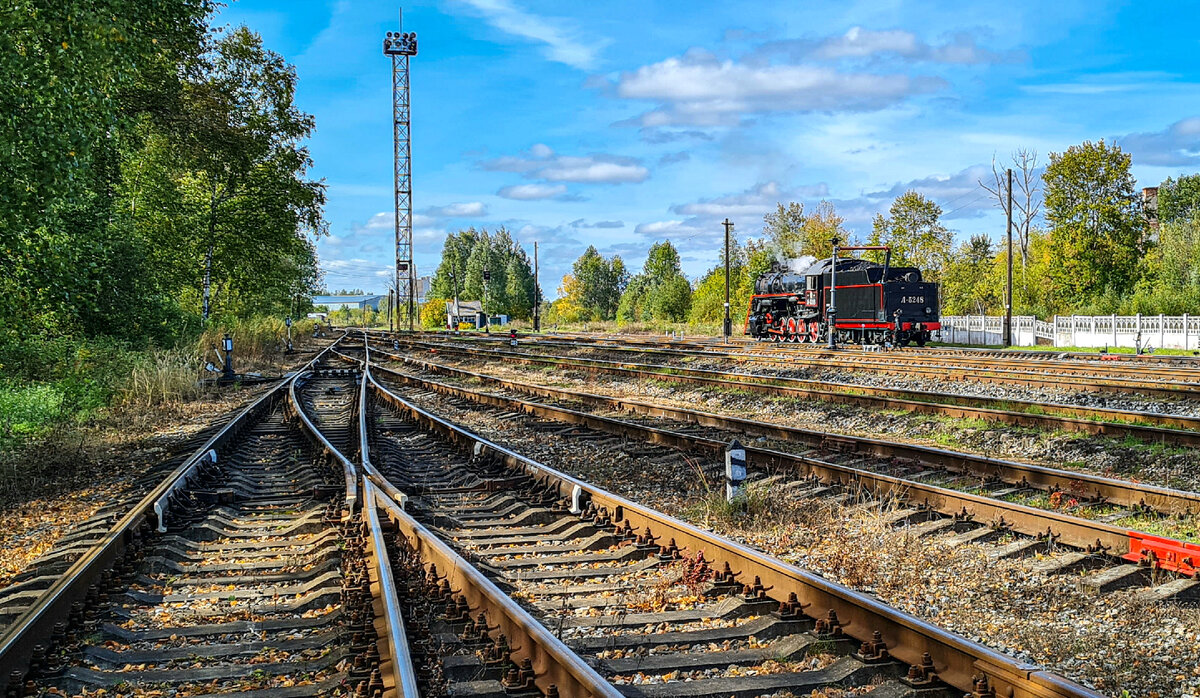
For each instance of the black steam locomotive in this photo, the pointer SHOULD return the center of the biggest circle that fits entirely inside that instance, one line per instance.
(875, 303)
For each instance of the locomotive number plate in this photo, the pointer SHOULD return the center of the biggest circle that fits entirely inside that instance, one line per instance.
(912, 299)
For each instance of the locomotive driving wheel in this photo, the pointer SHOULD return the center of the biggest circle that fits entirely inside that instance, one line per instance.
(814, 331)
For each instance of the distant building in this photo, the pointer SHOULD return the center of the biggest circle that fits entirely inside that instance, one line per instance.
(338, 302)
(423, 284)
(463, 311)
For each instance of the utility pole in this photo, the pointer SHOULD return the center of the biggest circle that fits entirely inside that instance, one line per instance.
(832, 312)
(728, 327)
(391, 298)
(537, 293)
(400, 46)
(1008, 300)
(487, 319)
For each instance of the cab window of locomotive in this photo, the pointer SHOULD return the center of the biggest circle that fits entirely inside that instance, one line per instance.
(810, 283)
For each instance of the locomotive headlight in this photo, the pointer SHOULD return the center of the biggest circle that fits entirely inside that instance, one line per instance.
(929, 311)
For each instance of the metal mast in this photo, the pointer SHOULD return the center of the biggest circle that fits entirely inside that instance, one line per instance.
(400, 46)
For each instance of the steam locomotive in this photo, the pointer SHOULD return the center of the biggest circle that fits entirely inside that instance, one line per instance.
(874, 304)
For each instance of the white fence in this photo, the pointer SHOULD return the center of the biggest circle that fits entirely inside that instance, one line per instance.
(988, 329)
(1156, 331)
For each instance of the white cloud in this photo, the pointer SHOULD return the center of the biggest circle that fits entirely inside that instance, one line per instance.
(862, 43)
(669, 229)
(562, 43)
(698, 89)
(540, 162)
(469, 209)
(581, 223)
(1176, 145)
(959, 194)
(755, 202)
(532, 192)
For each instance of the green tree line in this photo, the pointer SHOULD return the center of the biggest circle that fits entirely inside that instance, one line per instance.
(155, 175)
(466, 255)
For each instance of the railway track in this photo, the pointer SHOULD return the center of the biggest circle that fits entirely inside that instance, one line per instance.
(1181, 381)
(246, 570)
(992, 496)
(1177, 430)
(1158, 364)
(592, 569)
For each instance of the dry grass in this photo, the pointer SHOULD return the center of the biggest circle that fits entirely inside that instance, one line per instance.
(162, 376)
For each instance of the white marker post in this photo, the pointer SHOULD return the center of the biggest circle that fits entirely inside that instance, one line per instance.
(735, 470)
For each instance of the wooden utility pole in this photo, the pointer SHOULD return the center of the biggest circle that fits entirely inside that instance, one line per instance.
(391, 292)
(728, 327)
(1008, 297)
(537, 293)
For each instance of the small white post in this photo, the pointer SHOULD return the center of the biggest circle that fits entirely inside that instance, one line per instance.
(1185, 331)
(1162, 330)
(735, 470)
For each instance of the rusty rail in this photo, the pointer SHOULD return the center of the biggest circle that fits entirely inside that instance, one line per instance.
(1045, 416)
(35, 625)
(1088, 535)
(956, 660)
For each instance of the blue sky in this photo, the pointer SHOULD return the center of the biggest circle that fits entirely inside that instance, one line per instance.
(622, 123)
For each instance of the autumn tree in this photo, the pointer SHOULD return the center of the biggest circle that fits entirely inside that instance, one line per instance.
(1096, 224)
(914, 230)
(795, 233)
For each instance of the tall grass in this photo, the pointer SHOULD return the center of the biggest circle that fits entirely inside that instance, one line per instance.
(162, 376)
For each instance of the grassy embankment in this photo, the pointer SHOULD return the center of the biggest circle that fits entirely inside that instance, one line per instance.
(66, 404)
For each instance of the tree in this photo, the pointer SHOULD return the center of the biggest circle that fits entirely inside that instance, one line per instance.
(568, 307)
(451, 273)
(965, 289)
(1179, 198)
(247, 165)
(1027, 201)
(795, 234)
(1096, 226)
(660, 291)
(601, 282)
(433, 314)
(915, 232)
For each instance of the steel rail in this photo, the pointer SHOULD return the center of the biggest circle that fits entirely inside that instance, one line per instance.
(957, 660)
(1160, 499)
(348, 470)
(1089, 535)
(395, 660)
(867, 396)
(396, 667)
(966, 356)
(35, 625)
(933, 368)
(553, 663)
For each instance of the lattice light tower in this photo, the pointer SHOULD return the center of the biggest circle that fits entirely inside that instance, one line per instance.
(400, 46)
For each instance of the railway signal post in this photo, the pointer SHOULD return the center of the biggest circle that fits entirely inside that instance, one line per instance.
(728, 326)
(832, 312)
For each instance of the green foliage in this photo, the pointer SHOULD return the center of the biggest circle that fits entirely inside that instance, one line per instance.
(1096, 226)
(465, 256)
(660, 293)
(793, 233)
(601, 282)
(1179, 199)
(915, 232)
(965, 289)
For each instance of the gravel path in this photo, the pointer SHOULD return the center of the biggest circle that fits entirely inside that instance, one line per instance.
(1112, 642)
